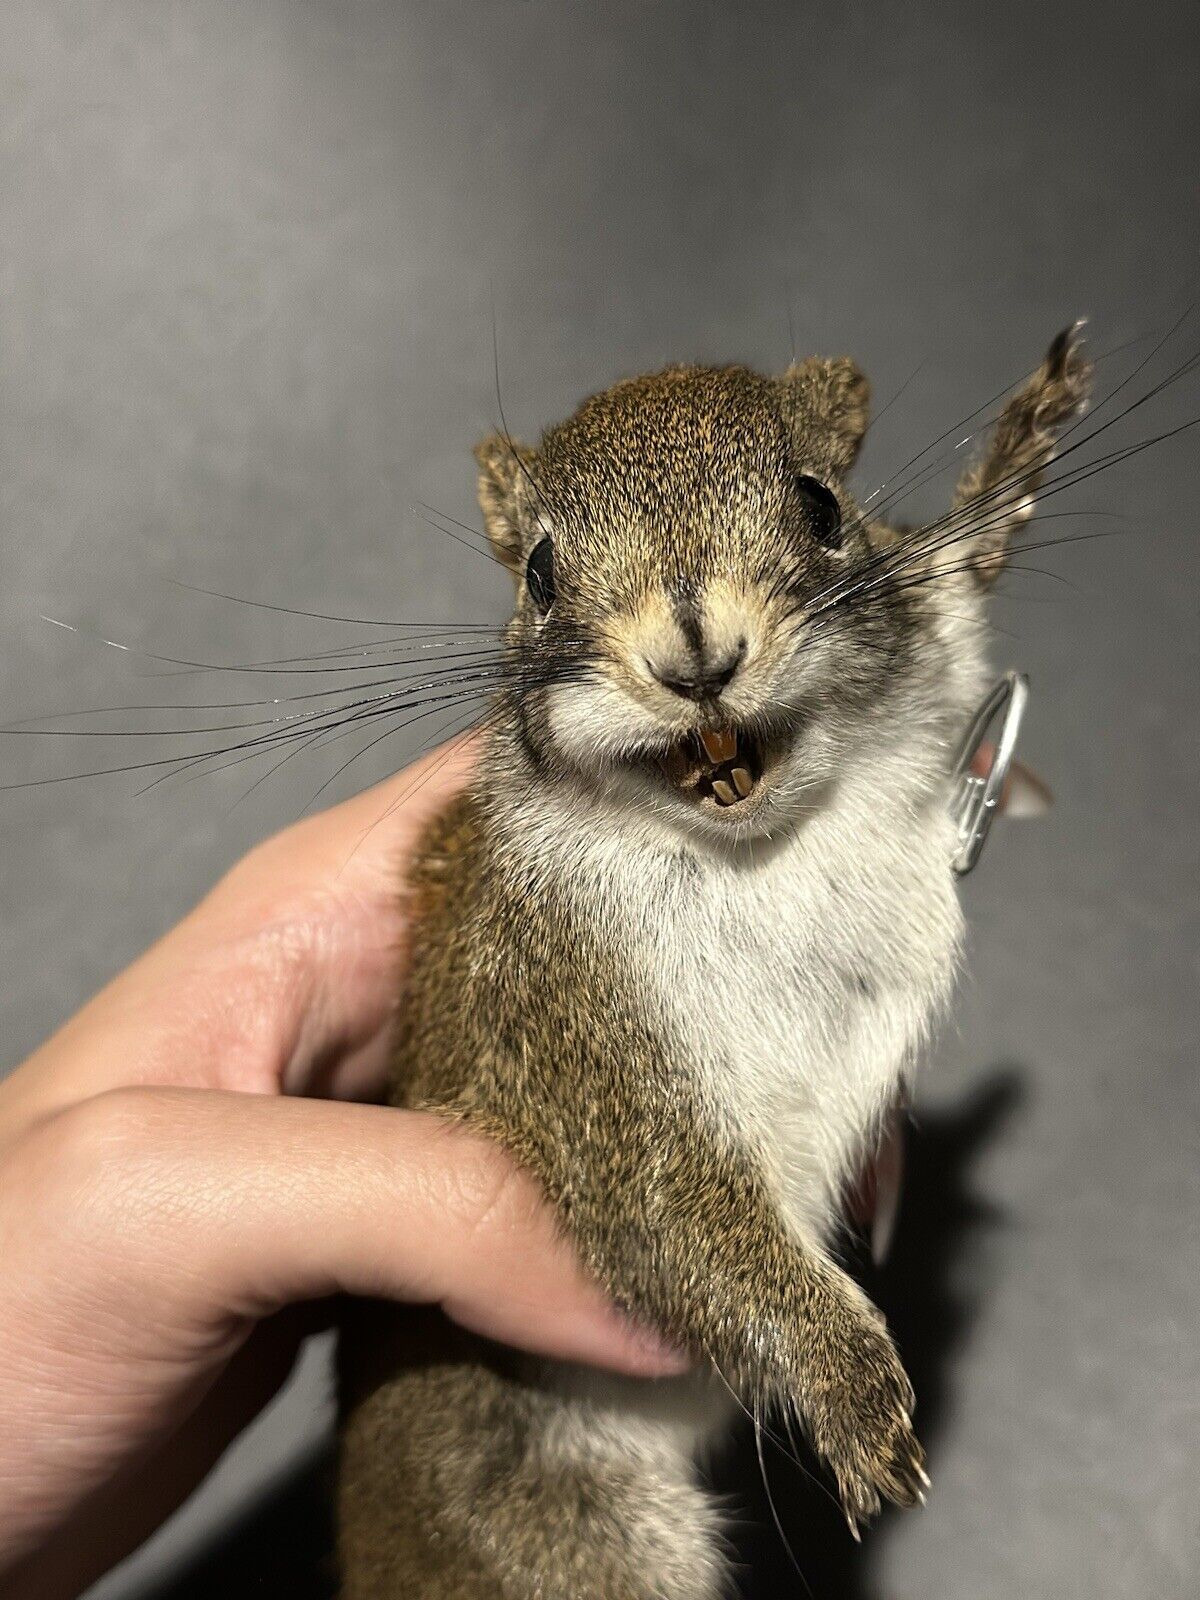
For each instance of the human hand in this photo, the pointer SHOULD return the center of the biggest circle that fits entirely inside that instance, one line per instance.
(181, 1164)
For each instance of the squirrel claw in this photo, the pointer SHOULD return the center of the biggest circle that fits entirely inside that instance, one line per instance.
(860, 1504)
(903, 1481)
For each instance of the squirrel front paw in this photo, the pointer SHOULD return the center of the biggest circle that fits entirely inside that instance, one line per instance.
(858, 1406)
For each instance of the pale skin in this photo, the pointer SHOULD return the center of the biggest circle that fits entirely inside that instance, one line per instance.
(185, 1175)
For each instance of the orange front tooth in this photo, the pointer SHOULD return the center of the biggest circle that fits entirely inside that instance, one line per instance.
(720, 746)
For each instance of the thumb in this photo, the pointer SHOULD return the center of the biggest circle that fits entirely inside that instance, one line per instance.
(270, 1200)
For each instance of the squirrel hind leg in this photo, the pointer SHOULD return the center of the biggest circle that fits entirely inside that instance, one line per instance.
(461, 1481)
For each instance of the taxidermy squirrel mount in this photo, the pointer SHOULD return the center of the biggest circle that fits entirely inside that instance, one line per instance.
(680, 946)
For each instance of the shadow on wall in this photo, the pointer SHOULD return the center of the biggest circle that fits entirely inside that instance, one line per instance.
(284, 1544)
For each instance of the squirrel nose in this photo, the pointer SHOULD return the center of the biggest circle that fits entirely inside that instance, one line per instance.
(705, 684)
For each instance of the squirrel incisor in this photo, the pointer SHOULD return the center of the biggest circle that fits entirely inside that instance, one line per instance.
(677, 948)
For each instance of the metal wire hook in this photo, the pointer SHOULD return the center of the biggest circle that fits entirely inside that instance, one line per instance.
(976, 799)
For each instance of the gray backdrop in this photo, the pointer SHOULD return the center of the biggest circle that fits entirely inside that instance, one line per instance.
(251, 257)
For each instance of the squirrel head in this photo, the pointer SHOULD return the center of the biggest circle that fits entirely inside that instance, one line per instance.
(706, 620)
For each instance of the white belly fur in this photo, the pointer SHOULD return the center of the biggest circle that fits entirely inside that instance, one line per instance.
(800, 980)
(808, 985)
(803, 981)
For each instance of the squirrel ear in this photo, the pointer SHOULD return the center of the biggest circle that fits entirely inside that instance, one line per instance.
(504, 476)
(825, 404)
(996, 496)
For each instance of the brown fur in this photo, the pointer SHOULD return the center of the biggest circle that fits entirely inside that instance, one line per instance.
(520, 1020)
(999, 490)
(678, 1227)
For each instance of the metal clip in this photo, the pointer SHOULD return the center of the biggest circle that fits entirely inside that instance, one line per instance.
(975, 800)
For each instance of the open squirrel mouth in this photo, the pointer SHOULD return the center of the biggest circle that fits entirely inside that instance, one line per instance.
(721, 765)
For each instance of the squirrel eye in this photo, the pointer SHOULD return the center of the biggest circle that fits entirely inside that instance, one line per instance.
(824, 513)
(539, 575)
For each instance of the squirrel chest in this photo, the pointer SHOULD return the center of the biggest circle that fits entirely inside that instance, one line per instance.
(792, 984)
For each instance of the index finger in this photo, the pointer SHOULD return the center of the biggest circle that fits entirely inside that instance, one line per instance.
(293, 959)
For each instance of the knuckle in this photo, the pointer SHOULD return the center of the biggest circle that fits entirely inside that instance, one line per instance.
(97, 1131)
(87, 1159)
(110, 1125)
